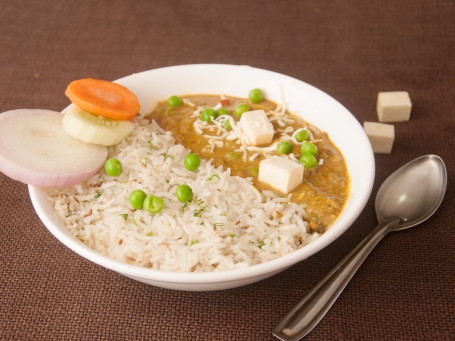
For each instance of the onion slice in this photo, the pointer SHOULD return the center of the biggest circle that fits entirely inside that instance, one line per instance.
(34, 149)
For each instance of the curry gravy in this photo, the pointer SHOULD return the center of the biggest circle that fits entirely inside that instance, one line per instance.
(325, 188)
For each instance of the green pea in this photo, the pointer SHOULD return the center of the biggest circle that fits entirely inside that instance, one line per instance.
(232, 156)
(308, 160)
(227, 125)
(284, 147)
(113, 167)
(174, 101)
(223, 111)
(192, 162)
(308, 147)
(301, 135)
(137, 198)
(208, 114)
(153, 204)
(184, 193)
(256, 95)
(241, 108)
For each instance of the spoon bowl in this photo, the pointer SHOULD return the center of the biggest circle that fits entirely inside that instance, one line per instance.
(412, 193)
(408, 197)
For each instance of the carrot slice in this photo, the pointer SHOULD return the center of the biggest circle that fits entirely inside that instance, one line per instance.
(103, 98)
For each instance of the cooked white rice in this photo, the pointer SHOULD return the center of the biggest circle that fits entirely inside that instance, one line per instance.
(231, 225)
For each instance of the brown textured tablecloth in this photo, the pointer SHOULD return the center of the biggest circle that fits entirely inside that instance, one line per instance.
(349, 49)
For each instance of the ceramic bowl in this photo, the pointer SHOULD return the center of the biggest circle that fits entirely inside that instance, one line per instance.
(315, 106)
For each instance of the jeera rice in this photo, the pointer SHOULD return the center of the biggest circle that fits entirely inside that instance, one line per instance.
(229, 224)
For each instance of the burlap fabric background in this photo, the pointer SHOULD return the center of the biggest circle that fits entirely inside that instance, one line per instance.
(349, 49)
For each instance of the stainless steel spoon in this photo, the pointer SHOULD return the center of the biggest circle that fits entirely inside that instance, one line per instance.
(407, 197)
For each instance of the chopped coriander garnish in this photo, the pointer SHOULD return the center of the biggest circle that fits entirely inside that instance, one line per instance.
(218, 224)
(232, 235)
(167, 180)
(261, 244)
(166, 155)
(184, 206)
(195, 242)
(253, 170)
(280, 223)
(124, 215)
(150, 234)
(98, 194)
(214, 175)
(84, 200)
(198, 202)
(198, 213)
(134, 222)
(151, 146)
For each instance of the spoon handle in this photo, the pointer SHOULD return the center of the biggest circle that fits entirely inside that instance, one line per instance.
(311, 309)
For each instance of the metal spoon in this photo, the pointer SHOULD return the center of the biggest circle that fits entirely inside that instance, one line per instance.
(407, 197)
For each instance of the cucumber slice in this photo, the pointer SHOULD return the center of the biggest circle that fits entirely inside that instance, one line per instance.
(91, 128)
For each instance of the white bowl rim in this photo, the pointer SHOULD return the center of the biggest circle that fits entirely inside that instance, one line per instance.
(41, 206)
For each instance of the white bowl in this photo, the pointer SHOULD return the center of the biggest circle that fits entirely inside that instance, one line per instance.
(312, 104)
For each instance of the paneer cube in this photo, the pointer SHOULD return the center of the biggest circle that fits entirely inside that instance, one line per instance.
(281, 173)
(394, 106)
(381, 136)
(257, 127)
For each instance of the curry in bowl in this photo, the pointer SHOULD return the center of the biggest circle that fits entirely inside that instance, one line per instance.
(325, 186)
